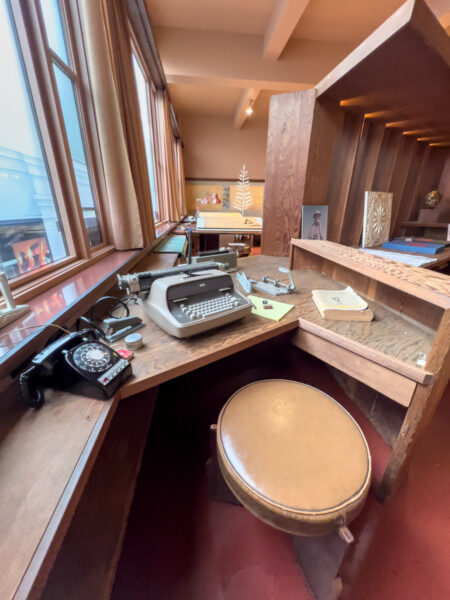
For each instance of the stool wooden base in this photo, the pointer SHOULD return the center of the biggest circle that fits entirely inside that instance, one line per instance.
(320, 558)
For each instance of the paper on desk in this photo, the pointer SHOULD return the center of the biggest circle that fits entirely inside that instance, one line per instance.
(408, 259)
(279, 310)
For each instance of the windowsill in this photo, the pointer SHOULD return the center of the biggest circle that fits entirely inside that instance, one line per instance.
(162, 229)
(58, 272)
(63, 302)
(60, 305)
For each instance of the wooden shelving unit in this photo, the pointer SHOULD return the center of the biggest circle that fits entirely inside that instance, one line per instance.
(368, 125)
(419, 224)
(377, 352)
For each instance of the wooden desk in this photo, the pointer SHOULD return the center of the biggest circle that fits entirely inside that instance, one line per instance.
(207, 238)
(74, 463)
(418, 297)
(164, 357)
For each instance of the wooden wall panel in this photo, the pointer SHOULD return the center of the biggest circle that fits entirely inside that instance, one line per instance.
(389, 152)
(407, 150)
(430, 175)
(328, 123)
(444, 183)
(341, 173)
(410, 184)
(363, 175)
(290, 122)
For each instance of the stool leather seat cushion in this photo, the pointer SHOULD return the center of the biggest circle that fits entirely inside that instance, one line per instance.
(293, 456)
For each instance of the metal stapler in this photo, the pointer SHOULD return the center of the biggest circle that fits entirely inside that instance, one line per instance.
(119, 328)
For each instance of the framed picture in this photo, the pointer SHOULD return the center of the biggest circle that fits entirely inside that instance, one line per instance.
(314, 222)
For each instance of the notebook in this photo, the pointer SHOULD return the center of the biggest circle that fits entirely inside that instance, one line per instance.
(342, 305)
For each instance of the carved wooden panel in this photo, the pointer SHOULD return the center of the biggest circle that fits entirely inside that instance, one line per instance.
(377, 218)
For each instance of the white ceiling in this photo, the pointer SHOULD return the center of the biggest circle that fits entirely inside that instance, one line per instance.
(343, 20)
(209, 75)
(204, 100)
(232, 16)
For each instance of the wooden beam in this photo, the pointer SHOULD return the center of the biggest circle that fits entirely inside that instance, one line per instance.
(284, 19)
(445, 22)
(248, 98)
(235, 60)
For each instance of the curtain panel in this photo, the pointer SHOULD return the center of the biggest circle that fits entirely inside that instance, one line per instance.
(169, 197)
(180, 176)
(108, 53)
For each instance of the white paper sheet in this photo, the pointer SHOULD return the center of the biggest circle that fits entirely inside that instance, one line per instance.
(408, 259)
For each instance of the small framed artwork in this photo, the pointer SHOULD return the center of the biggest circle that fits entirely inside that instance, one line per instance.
(314, 222)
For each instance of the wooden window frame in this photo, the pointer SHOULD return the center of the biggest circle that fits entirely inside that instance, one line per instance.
(151, 91)
(37, 58)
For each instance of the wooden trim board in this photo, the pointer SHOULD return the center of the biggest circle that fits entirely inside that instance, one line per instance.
(429, 286)
(374, 356)
(391, 384)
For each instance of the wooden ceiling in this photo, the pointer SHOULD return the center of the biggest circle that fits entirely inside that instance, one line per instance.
(399, 75)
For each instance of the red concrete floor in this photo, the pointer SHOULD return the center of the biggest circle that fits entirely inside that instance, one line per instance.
(181, 545)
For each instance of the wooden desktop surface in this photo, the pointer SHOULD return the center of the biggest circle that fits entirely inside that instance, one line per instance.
(46, 456)
(389, 337)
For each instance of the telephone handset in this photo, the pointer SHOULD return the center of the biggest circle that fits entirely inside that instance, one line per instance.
(77, 362)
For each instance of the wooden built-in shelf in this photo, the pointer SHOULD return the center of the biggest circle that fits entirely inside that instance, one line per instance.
(412, 314)
(418, 224)
(359, 130)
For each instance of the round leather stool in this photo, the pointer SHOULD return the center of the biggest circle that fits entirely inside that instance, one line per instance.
(293, 456)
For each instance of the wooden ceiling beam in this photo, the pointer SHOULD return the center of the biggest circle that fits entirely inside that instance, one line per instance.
(247, 99)
(283, 21)
(445, 22)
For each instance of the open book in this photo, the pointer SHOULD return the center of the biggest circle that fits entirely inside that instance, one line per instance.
(342, 305)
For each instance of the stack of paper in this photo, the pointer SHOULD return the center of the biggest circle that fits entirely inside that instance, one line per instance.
(342, 305)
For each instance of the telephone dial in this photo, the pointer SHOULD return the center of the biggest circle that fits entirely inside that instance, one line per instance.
(78, 363)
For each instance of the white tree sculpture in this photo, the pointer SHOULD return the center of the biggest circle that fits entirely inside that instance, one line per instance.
(243, 197)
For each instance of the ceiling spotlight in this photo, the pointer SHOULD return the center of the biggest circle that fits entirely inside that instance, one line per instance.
(249, 109)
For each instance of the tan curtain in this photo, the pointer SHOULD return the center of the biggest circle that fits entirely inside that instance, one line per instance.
(180, 177)
(168, 192)
(118, 119)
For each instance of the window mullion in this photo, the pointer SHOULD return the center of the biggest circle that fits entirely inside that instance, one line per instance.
(62, 65)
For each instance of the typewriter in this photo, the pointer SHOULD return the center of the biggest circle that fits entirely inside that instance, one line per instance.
(188, 299)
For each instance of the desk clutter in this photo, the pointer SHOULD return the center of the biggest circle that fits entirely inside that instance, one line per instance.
(188, 299)
(417, 245)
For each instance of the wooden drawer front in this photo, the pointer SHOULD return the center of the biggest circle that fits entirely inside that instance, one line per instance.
(391, 384)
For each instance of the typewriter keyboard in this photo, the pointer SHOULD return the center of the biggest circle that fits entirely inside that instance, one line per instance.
(205, 308)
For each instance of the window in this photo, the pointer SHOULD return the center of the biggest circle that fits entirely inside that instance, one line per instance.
(66, 82)
(31, 235)
(42, 227)
(143, 92)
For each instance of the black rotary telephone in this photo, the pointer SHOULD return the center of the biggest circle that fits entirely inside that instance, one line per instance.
(77, 362)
